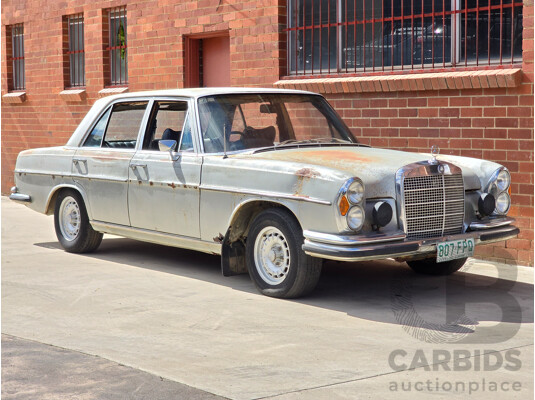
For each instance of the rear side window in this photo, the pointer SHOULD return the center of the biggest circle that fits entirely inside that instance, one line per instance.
(118, 127)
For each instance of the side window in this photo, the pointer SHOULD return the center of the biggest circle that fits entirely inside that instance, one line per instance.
(167, 122)
(95, 137)
(118, 127)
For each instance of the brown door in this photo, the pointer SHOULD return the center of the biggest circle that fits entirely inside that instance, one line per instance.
(208, 61)
(216, 61)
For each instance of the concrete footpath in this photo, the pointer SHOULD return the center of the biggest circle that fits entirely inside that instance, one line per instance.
(140, 321)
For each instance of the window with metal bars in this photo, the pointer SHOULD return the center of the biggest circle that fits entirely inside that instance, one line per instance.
(117, 47)
(76, 50)
(356, 36)
(16, 74)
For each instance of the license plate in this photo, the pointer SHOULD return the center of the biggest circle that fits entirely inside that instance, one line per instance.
(451, 250)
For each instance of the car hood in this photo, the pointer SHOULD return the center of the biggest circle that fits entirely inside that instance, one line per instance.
(375, 167)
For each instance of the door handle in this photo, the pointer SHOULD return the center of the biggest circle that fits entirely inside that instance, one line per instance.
(78, 160)
(135, 165)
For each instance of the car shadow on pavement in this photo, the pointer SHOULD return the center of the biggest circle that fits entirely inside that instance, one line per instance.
(384, 291)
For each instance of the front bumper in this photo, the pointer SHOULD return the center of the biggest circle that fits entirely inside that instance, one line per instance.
(380, 246)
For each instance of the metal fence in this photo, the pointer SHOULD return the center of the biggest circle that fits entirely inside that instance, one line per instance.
(353, 36)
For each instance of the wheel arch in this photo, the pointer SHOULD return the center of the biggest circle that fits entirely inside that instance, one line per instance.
(233, 260)
(51, 201)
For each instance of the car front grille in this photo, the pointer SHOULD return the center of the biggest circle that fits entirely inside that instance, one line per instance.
(434, 205)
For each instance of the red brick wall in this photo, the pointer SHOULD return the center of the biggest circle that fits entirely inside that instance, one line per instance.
(496, 124)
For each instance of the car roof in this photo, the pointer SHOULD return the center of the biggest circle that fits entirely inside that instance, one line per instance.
(202, 92)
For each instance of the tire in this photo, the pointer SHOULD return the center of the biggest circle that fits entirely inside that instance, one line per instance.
(429, 266)
(276, 262)
(74, 232)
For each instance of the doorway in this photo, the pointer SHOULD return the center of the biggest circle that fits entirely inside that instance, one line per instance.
(208, 60)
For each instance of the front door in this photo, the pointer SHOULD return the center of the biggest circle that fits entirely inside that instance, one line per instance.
(163, 192)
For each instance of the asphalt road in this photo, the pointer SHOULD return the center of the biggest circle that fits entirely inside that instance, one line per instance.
(141, 321)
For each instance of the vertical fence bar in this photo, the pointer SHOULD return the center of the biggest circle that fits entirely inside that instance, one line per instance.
(296, 41)
(433, 34)
(312, 40)
(364, 35)
(329, 35)
(477, 33)
(512, 31)
(355, 34)
(488, 34)
(412, 34)
(443, 33)
(383, 35)
(465, 34)
(501, 29)
(402, 32)
(373, 36)
(321, 42)
(304, 39)
(392, 35)
(422, 35)
(346, 29)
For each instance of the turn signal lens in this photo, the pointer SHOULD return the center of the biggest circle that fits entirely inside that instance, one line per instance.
(344, 205)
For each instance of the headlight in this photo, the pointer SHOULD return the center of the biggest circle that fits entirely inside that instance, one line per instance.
(503, 180)
(355, 218)
(503, 202)
(355, 192)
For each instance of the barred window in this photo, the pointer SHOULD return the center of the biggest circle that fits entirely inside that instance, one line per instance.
(350, 36)
(117, 47)
(16, 74)
(76, 50)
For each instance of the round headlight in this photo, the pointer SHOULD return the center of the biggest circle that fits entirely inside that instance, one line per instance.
(503, 202)
(355, 218)
(355, 192)
(503, 180)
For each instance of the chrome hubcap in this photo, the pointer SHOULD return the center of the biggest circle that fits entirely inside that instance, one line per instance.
(69, 218)
(272, 255)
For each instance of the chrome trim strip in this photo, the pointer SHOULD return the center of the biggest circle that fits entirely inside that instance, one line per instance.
(148, 235)
(348, 240)
(266, 194)
(18, 171)
(20, 197)
(97, 178)
(491, 223)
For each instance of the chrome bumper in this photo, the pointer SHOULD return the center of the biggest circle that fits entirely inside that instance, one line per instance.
(380, 246)
(16, 196)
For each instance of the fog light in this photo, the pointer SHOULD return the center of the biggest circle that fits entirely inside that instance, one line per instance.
(486, 204)
(503, 202)
(382, 213)
(355, 218)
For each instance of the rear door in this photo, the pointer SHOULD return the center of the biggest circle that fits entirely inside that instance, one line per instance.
(101, 165)
(163, 193)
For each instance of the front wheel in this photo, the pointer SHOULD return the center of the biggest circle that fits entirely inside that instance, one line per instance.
(429, 266)
(275, 261)
(74, 232)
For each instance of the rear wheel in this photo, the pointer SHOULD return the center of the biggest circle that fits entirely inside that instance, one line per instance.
(429, 266)
(74, 232)
(275, 261)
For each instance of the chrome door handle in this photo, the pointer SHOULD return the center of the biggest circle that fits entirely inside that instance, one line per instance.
(134, 166)
(79, 160)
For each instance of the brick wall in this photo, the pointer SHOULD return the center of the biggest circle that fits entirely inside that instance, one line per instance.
(490, 122)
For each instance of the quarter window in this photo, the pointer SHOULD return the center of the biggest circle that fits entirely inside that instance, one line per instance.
(345, 36)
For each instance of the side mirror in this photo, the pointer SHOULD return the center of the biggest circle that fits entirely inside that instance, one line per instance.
(170, 146)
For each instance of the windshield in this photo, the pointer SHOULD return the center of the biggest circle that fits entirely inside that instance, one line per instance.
(248, 121)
